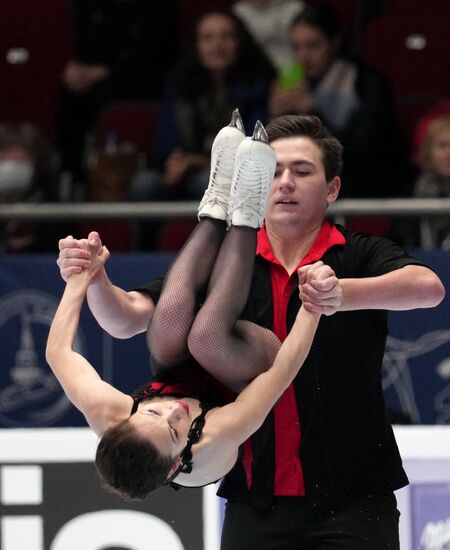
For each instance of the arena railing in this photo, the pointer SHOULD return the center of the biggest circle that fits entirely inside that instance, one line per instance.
(424, 210)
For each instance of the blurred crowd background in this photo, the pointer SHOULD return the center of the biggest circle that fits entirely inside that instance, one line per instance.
(119, 100)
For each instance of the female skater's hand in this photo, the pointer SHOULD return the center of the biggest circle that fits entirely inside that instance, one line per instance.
(319, 288)
(75, 254)
(99, 254)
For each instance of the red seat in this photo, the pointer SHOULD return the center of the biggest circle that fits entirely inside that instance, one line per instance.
(132, 121)
(174, 234)
(410, 44)
(118, 236)
(35, 43)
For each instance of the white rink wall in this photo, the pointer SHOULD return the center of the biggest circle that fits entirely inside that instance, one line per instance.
(42, 472)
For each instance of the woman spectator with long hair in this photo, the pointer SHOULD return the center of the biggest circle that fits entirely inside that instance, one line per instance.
(222, 68)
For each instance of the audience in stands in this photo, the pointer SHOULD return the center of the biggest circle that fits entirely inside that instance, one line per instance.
(111, 165)
(123, 52)
(269, 21)
(267, 57)
(223, 69)
(433, 157)
(28, 173)
(352, 99)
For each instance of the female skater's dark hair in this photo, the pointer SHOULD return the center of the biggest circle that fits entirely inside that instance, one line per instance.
(130, 465)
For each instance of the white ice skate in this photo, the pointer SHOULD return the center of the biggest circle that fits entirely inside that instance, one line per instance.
(223, 153)
(253, 174)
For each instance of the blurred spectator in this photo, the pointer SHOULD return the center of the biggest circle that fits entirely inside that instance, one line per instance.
(352, 99)
(270, 21)
(223, 69)
(421, 128)
(111, 164)
(124, 49)
(110, 168)
(433, 157)
(28, 173)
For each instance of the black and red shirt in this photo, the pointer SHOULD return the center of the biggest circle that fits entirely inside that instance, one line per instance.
(328, 437)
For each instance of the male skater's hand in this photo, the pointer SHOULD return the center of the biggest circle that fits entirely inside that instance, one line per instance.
(74, 254)
(319, 289)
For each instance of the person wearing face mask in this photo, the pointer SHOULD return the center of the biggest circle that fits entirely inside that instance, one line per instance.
(28, 173)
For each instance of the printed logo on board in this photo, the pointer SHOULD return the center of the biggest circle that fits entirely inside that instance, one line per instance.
(442, 399)
(30, 395)
(436, 535)
(35, 514)
(396, 372)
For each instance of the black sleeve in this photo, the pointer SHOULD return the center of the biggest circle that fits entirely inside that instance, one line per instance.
(377, 255)
(153, 288)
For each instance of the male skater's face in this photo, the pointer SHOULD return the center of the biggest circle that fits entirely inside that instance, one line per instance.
(300, 193)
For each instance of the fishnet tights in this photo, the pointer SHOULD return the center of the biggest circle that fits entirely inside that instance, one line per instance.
(231, 350)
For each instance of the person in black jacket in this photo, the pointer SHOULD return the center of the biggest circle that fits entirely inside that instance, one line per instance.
(353, 99)
(123, 51)
(321, 471)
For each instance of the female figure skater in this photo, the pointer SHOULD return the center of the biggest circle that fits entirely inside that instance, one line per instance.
(188, 424)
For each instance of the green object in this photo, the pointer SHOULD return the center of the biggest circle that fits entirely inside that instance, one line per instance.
(290, 76)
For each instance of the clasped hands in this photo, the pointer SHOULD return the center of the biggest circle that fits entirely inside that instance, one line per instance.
(319, 289)
(82, 256)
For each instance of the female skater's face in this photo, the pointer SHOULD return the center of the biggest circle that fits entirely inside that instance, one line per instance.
(217, 42)
(165, 422)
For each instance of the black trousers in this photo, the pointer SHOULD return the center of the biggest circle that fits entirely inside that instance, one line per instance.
(366, 523)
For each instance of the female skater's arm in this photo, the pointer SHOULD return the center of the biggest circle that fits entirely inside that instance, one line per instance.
(98, 401)
(237, 421)
(229, 426)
